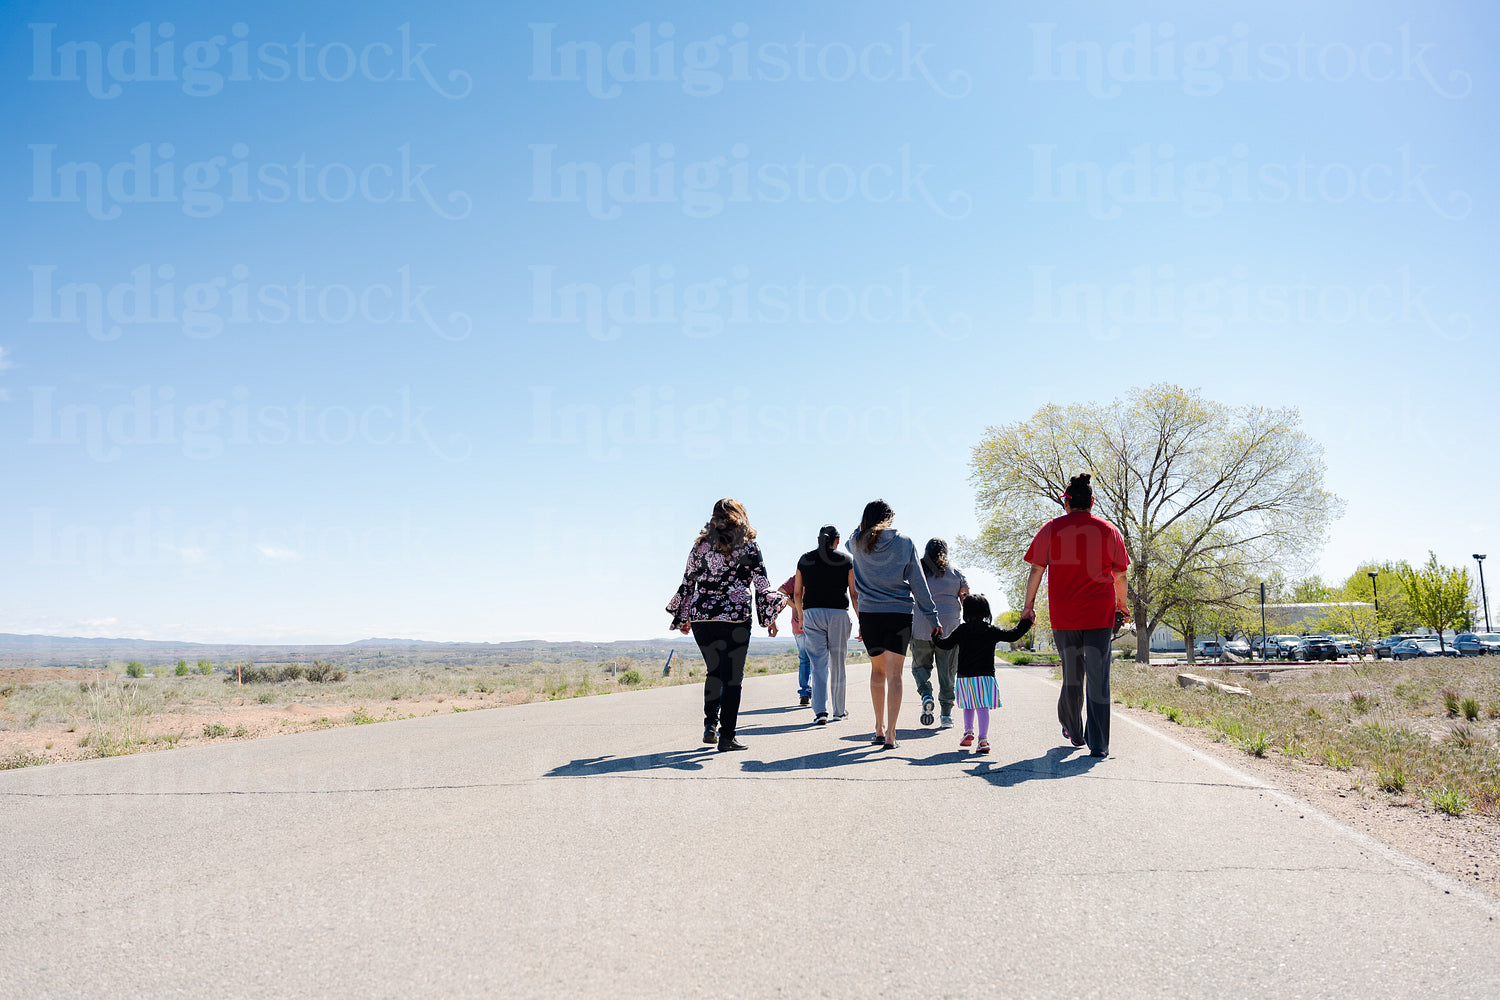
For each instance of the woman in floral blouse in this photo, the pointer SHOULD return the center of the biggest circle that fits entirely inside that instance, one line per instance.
(724, 570)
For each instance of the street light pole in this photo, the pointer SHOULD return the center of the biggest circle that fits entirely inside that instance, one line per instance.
(1263, 623)
(1482, 595)
(1374, 589)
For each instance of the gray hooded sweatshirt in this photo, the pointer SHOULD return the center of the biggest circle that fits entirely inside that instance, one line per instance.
(889, 577)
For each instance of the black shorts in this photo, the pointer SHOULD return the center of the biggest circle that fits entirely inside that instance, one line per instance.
(885, 632)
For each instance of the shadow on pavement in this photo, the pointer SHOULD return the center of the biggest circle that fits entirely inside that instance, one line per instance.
(815, 761)
(673, 760)
(1059, 762)
(775, 711)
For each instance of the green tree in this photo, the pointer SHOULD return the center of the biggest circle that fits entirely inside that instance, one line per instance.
(1186, 480)
(1395, 615)
(182, 668)
(1311, 590)
(1438, 595)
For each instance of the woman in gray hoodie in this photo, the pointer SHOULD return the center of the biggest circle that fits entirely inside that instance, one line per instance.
(889, 581)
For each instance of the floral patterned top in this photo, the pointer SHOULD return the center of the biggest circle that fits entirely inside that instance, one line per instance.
(716, 587)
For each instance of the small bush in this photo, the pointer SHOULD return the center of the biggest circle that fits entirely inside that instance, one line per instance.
(1337, 759)
(265, 697)
(1020, 659)
(1173, 713)
(631, 676)
(241, 731)
(360, 717)
(1257, 745)
(1450, 800)
(1392, 779)
(214, 729)
(1450, 702)
(135, 668)
(1465, 737)
(1361, 702)
(182, 668)
(205, 667)
(1470, 708)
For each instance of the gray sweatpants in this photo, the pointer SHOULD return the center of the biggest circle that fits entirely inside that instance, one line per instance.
(825, 632)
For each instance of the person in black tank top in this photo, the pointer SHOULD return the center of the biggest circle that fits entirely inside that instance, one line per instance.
(821, 595)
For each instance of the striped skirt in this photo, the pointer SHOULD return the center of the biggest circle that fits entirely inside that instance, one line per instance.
(977, 692)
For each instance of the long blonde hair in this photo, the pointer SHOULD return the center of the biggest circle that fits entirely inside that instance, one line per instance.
(728, 527)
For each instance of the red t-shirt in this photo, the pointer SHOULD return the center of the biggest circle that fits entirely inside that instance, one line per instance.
(1082, 553)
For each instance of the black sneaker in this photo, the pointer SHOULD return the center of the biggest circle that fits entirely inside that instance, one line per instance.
(710, 734)
(731, 744)
(821, 720)
(805, 702)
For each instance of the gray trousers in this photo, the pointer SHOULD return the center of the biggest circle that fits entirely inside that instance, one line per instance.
(1085, 670)
(923, 655)
(825, 633)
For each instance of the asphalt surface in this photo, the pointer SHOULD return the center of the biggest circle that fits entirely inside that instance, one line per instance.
(593, 848)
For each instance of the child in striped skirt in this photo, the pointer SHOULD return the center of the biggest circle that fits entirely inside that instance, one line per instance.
(976, 640)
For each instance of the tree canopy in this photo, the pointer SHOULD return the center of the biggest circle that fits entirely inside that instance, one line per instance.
(1195, 487)
(1439, 595)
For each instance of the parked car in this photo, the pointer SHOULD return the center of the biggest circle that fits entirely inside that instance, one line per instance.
(1314, 647)
(1477, 643)
(1239, 647)
(1209, 647)
(1278, 647)
(1410, 649)
(1384, 647)
(1347, 644)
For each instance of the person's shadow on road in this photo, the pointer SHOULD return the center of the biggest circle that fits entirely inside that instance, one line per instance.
(1058, 762)
(671, 760)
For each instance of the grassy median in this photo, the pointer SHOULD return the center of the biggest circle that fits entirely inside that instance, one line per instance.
(1421, 731)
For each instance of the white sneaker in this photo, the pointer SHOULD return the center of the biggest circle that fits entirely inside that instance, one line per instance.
(947, 722)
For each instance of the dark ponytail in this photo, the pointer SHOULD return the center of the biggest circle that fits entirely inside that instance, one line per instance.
(935, 559)
(1080, 493)
(877, 517)
(828, 538)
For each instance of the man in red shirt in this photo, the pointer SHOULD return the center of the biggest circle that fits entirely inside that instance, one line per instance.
(1084, 559)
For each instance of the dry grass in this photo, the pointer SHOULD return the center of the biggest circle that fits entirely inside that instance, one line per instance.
(1402, 727)
(113, 715)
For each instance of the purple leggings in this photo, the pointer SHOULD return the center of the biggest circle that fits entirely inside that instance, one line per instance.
(984, 721)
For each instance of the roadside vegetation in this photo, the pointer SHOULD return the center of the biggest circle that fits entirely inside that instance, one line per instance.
(1420, 732)
(127, 710)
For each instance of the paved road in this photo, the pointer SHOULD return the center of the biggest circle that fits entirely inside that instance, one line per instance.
(591, 848)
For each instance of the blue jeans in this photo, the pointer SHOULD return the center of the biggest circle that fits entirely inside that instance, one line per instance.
(804, 668)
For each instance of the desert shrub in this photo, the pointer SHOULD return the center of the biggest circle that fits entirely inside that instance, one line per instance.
(361, 717)
(213, 729)
(135, 668)
(182, 668)
(1449, 800)
(205, 667)
(1257, 745)
(322, 672)
(1392, 779)
(631, 676)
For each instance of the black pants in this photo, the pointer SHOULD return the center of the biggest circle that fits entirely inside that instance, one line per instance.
(1085, 670)
(723, 645)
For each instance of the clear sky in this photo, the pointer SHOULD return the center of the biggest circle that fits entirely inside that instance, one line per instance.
(451, 321)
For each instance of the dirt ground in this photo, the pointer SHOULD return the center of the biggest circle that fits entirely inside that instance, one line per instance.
(1466, 847)
(190, 725)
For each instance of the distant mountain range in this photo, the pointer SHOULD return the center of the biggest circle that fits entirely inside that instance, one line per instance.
(68, 651)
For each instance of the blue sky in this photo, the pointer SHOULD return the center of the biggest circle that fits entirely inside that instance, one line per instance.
(452, 321)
